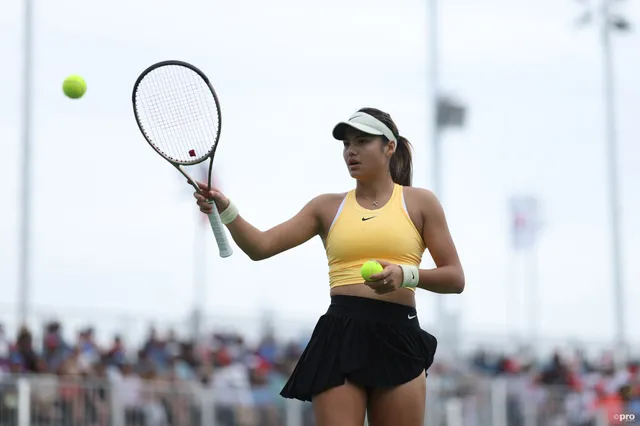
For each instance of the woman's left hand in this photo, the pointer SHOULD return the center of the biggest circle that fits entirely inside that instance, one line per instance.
(390, 279)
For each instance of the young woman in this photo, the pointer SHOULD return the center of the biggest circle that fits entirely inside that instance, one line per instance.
(368, 352)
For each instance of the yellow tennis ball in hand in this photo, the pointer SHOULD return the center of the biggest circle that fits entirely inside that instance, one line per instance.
(369, 268)
(74, 86)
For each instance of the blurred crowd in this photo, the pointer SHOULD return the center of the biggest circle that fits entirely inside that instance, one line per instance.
(158, 382)
(568, 390)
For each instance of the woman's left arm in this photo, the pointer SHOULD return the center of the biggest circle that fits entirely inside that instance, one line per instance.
(447, 277)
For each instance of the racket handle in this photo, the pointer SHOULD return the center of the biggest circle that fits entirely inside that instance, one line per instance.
(219, 232)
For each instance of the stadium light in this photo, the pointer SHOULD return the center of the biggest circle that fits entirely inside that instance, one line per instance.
(446, 112)
(611, 22)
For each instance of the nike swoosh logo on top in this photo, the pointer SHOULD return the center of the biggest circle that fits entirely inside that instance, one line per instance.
(367, 218)
(412, 316)
(413, 277)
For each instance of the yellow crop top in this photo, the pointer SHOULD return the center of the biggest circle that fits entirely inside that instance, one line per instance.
(358, 234)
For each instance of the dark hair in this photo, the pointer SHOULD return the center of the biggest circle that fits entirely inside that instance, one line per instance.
(401, 166)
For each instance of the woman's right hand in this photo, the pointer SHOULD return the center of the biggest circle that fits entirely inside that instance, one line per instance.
(204, 199)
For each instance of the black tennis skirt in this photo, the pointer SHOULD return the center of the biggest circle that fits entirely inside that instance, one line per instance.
(371, 343)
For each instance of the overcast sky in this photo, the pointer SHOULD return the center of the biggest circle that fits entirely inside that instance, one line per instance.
(113, 224)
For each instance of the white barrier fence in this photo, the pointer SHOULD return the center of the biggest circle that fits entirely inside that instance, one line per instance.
(53, 401)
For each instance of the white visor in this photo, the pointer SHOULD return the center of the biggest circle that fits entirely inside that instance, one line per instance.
(365, 123)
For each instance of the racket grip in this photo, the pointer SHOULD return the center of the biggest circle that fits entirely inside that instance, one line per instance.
(219, 232)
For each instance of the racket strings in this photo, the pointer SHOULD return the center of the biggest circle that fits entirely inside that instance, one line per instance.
(178, 113)
(182, 92)
(168, 119)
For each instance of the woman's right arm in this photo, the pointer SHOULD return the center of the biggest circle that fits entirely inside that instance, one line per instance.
(259, 245)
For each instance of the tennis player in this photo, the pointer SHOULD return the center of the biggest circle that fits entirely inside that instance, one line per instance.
(368, 352)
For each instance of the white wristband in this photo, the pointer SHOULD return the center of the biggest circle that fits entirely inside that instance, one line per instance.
(410, 276)
(229, 214)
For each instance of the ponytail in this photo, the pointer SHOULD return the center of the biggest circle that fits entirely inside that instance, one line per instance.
(401, 165)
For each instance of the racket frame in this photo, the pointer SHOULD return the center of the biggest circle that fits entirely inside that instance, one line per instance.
(214, 217)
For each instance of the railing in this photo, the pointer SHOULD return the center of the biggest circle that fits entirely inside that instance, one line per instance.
(52, 401)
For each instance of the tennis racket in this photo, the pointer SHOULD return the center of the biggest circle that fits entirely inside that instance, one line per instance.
(178, 113)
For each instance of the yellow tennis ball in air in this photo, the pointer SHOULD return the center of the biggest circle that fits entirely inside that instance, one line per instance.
(369, 268)
(74, 87)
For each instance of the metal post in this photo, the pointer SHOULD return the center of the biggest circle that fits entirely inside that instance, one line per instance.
(513, 302)
(199, 277)
(612, 174)
(534, 297)
(24, 277)
(24, 401)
